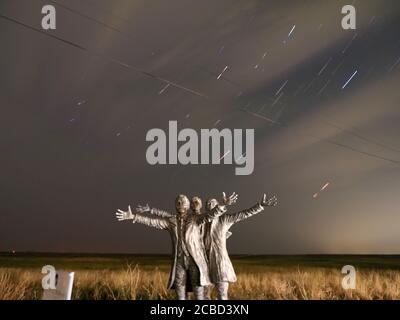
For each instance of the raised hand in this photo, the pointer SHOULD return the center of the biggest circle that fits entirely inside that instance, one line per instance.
(124, 215)
(227, 201)
(272, 202)
(142, 209)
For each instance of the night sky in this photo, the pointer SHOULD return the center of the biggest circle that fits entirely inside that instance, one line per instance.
(76, 104)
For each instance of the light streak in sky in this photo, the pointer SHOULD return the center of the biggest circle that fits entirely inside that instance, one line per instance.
(348, 81)
(220, 75)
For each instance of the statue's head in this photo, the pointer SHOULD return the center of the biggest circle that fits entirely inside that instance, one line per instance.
(196, 204)
(182, 203)
(211, 204)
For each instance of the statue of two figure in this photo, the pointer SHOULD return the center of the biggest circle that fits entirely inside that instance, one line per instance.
(198, 240)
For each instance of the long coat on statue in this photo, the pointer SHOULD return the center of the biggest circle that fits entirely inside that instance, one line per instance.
(215, 234)
(192, 238)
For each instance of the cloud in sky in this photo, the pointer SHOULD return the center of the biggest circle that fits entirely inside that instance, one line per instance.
(74, 123)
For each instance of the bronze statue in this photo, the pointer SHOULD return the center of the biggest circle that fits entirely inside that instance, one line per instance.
(190, 260)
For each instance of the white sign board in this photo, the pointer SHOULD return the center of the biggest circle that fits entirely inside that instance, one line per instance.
(63, 290)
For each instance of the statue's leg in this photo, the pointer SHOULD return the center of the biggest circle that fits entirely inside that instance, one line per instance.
(198, 292)
(195, 280)
(180, 292)
(222, 288)
(207, 292)
(180, 281)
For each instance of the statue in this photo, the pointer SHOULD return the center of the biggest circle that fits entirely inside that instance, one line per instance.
(190, 262)
(216, 232)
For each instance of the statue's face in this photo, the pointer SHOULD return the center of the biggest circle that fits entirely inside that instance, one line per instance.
(211, 204)
(196, 204)
(182, 204)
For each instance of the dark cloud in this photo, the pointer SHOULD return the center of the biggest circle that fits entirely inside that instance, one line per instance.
(74, 121)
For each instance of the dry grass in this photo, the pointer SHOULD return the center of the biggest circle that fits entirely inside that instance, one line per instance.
(270, 283)
(316, 284)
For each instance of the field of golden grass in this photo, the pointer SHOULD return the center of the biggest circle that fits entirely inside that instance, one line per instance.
(259, 282)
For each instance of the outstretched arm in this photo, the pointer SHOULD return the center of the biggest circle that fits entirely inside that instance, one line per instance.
(154, 211)
(242, 215)
(218, 210)
(155, 222)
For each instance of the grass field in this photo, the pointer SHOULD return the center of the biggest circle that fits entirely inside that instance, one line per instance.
(259, 277)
